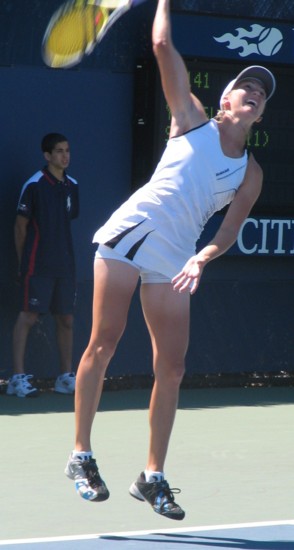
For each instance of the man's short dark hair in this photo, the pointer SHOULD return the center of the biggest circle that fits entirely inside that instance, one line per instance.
(50, 140)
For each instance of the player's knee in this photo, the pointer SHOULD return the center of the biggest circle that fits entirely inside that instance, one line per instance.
(177, 373)
(170, 373)
(104, 349)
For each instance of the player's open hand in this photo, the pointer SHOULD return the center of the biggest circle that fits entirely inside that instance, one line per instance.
(188, 279)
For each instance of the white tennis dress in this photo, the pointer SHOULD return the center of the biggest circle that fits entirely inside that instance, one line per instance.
(159, 225)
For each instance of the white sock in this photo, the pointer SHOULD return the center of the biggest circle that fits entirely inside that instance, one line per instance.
(82, 455)
(151, 476)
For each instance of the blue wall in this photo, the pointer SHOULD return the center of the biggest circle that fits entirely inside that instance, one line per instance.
(95, 112)
(242, 315)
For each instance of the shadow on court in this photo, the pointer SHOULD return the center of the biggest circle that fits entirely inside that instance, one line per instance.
(246, 544)
(182, 541)
(124, 400)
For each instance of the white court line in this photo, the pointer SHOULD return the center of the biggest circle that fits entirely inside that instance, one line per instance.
(149, 532)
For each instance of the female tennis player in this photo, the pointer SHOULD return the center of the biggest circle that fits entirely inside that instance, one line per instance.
(152, 235)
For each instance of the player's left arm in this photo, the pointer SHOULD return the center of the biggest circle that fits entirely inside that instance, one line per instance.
(245, 198)
(240, 207)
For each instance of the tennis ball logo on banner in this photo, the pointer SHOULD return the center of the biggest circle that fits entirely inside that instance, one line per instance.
(259, 40)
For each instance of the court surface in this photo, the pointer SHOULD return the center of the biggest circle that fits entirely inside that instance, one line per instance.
(264, 536)
(231, 453)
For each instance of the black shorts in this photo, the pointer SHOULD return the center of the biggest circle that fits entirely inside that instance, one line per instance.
(48, 294)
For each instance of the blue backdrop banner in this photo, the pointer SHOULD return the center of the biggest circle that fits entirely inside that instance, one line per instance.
(239, 39)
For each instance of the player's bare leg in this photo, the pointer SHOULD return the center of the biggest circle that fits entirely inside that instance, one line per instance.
(114, 285)
(167, 317)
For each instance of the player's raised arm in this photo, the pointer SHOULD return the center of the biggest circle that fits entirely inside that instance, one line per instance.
(187, 111)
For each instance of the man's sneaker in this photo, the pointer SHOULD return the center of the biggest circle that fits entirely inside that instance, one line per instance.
(65, 383)
(88, 482)
(159, 495)
(19, 385)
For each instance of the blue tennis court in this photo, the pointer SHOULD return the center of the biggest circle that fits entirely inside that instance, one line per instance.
(264, 536)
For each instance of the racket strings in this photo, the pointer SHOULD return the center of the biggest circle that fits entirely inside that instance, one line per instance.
(77, 26)
(73, 32)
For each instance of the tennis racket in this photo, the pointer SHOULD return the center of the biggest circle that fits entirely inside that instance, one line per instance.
(77, 26)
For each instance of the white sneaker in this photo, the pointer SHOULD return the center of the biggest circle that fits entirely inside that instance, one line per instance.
(65, 383)
(20, 386)
(89, 485)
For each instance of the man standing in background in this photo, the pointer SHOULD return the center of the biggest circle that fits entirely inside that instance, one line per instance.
(48, 202)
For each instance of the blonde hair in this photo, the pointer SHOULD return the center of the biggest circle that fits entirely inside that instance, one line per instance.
(219, 117)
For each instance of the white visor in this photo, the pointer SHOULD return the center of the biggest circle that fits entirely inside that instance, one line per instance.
(255, 72)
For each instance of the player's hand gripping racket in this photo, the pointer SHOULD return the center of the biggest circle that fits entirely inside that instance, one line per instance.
(77, 26)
